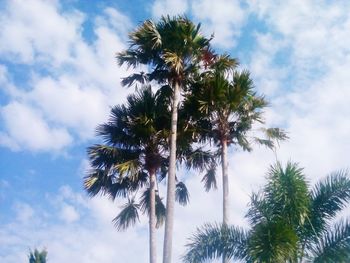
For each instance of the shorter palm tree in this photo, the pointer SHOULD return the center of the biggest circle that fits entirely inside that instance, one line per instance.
(37, 256)
(133, 154)
(289, 223)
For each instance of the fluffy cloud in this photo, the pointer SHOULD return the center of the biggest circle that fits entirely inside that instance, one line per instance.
(89, 239)
(72, 83)
(69, 214)
(27, 130)
(224, 18)
(32, 30)
(308, 89)
(169, 7)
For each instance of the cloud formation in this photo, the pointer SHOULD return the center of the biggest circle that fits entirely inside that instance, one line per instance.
(299, 60)
(71, 82)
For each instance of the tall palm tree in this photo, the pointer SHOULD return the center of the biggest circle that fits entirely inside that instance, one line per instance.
(224, 103)
(172, 49)
(37, 256)
(289, 223)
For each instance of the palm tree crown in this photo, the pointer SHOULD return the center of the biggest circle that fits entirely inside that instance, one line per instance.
(289, 223)
(37, 256)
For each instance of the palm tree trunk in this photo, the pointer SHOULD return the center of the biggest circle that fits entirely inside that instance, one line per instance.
(225, 189)
(170, 202)
(152, 219)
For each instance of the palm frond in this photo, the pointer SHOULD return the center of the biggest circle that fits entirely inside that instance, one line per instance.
(287, 193)
(224, 63)
(272, 241)
(213, 240)
(334, 245)
(98, 181)
(128, 216)
(181, 194)
(160, 211)
(259, 209)
(138, 78)
(37, 256)
(266, 142)
(160, 207)
(276, 134)
(130, 168)
(104, 156)
(198, 159)
(328, 197)
(209, 179)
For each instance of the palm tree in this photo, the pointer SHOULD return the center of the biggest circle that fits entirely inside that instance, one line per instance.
(289, 222)
(172, 48)
(135, 144)
(37, 257)
(134, 152)
(223, 102)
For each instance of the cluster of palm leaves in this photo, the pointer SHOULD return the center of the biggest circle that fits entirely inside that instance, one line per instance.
(37, 256)
(289, 222)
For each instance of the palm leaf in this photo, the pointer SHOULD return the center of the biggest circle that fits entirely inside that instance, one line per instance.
(209, 179)
(160, 211)
(287, 193)
(160, 208)
(181, 194)
(272, 242)
(328, 197)
(334, 246)
(138, 78)
(37, 257)
(212, 241)
(128, 216)
(102, 156)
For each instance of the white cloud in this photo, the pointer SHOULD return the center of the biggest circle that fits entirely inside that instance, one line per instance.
(69, 214)
(224, 18)
(314, 108)
(64, 102)
(73, 83)
(24, 212)
(91, 239)
(3, 74)
(25, 129)
(314, 30)
(26, 37)
(169, 7)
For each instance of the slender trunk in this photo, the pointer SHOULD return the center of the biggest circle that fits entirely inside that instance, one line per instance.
(170, 202)
(152, 219)
(225, 189)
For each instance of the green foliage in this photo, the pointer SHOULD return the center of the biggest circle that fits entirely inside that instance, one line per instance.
(209, 179)
(334, 245)
(128, 216)
(135, 142)
(212, 241)
(37, 256)
(181, 194)
(160, 207)
(223, 106)
(289, 223)
(171, 48)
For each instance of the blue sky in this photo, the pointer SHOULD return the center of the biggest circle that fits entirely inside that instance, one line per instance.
(58, 79)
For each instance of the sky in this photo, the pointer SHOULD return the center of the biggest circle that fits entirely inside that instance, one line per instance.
(59, 78)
